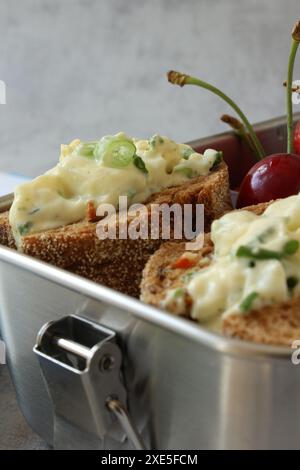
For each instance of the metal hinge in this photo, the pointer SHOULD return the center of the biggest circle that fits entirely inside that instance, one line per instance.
(81, 364)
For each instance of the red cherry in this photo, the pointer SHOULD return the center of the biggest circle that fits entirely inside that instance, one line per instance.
(276, 176)
(297, 138)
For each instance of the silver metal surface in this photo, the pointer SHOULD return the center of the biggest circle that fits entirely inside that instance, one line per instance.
(188, 388)
(72, 347)
(84, 383)
(116, 407)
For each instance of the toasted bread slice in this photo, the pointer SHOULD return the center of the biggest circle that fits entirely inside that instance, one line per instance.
(157, 275)
(273, 324)
(6, 236)
(119, 263)
(277, 324)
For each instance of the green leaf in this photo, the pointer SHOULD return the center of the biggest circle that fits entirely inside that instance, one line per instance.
(246, 304)
(140, 164)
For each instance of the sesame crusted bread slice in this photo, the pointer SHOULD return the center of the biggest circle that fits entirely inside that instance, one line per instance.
(119, 263)
(160, 272)
(273, 324)
(6, 236)
(276, 324)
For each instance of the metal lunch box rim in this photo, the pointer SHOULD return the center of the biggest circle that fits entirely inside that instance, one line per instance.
(258, 127)
(150, 314)
(160, 318)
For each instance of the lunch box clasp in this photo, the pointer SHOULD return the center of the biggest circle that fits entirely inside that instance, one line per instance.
(81, 365)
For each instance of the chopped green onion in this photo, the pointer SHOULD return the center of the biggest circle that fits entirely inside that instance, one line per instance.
(24, 229)
(140, 164)
(178, 293)
(131, 193)
(86, 149)
(218, 159)
(186, 171)
(33, 211)
(288, 249)
(291, 247)
(188, 276)
(61, 194)
(292, 281)
(247, 252)
(262, 238)
(156, 140)
(246, 304)
(187, 152)
(116, 153)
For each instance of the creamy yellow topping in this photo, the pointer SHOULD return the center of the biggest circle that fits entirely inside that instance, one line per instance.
(256, 262)
(100, 172)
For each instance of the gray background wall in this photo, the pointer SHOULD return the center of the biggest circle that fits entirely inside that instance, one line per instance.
(84, 68)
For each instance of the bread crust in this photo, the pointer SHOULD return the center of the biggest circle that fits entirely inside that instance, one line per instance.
(6, 236)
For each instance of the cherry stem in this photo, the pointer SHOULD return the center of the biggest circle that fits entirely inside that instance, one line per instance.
(240, 130)
(295, 88)
(289, 87)
(181, 79)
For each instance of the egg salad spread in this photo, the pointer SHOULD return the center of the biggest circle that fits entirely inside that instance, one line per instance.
(255, 262)
(100, 172)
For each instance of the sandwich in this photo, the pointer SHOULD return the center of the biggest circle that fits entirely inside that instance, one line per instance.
(245, 280)
(55, 217)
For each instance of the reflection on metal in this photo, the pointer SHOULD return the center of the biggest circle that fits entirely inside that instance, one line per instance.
(81, 364)
(2, 352)
(2, 92)
(121, 413)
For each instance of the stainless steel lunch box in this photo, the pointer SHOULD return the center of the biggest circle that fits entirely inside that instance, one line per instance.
(109, 372)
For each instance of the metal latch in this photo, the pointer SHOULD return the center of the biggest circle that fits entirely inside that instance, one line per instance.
(81, 364)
